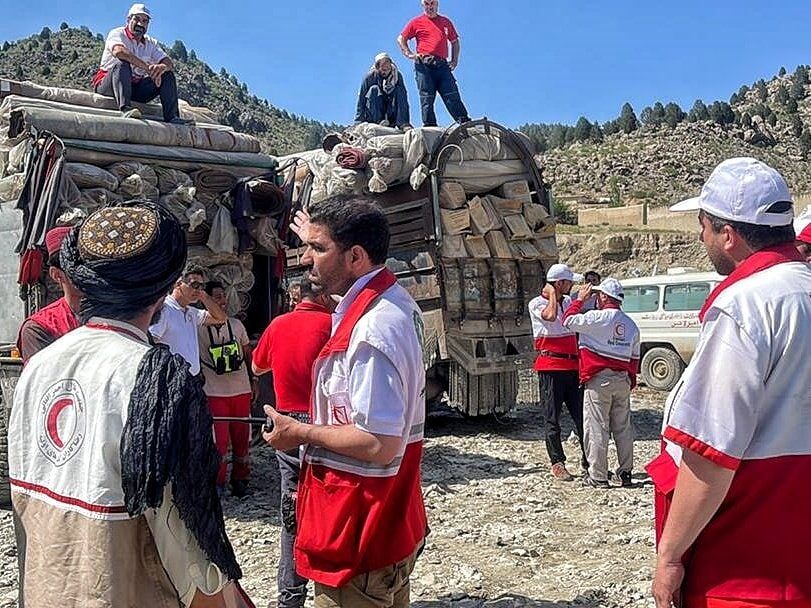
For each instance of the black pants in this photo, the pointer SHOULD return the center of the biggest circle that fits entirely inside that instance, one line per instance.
(292, 587)
(558, 388)
(118, 83)
(434, 76)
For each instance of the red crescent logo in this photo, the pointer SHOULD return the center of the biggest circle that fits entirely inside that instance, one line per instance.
(53, 418)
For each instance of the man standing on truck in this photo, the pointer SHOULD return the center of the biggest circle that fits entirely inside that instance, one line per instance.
(225, 356)
(434, 73)
(134, 68)
(55, 320)
(383, 98)
(111, 458)
(609, 361)
(363, 520)
(732, 482)
(288, 348)
(557, 364)
(179, 321)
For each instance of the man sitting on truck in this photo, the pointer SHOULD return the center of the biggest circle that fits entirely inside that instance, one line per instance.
(55, 320)
(557, 364)
(135, 68)
(609, 361)
(383, 98)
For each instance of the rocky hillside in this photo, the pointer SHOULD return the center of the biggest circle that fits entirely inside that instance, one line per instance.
(69, 57)
(661, 163)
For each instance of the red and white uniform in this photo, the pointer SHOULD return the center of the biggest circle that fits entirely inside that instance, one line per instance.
(355, 516)
(82, 548)
(744, 403)
(556, 344)
(608, 339)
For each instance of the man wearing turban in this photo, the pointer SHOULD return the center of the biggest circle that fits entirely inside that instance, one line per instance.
(111, 458)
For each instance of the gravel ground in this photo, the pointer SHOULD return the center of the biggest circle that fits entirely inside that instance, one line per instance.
(504, 532)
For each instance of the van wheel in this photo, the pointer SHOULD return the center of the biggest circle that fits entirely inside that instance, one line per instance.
(661, 368)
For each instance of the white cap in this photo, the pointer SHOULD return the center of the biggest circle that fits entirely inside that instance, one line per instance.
(139, 9)
(742, 190)
(611, 287)
(381, 56)
(561, 272)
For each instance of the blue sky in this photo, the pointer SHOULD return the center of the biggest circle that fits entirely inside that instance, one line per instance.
(522, 60)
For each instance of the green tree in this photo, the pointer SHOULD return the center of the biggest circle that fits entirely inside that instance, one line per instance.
(314, 136)
(582, 130)
(224, 73)
(596, 134)
(192, 55)
(721, 113)
(805, 143)
(781, 72)
(627, 119)
(6, 46)
(781, 96)
(610, 127)
(178, 51)
(698, 112)
(18, 73)
(673, 114)
(47, 46)
(557, 136)
(742, 92)
(45, 33)
(762, 90)
(801, 74)
(46, 71)
(791, 106)
(58, 44)
(734, 99)
(772, 120)
(797, 126)
(746, 120)
(797, 91)
(74, 56)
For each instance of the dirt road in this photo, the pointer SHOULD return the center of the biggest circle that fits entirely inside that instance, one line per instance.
(504, 533)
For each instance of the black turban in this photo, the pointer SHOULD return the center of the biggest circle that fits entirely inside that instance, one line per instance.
(124, 258)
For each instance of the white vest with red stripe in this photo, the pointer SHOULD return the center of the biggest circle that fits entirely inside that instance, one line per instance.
(552, 337)
(356, 516)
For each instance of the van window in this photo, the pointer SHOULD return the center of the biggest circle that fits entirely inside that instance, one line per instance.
(643, 298)
(688, 296)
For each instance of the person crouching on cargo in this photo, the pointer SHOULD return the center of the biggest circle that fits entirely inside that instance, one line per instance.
(383, 98)
(609, 361)
(557, 365)
(134, 68)
(362, 520)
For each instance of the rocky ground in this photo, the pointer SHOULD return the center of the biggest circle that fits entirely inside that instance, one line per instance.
(504, 533)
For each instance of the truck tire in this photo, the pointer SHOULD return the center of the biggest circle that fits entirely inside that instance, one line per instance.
(661, 368)
(483, 394)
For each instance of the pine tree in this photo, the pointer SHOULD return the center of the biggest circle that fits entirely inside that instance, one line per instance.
(673, 114)
(772, 120)
(781, 96)
(797, 91)
(74, 56)
(797, 126)
(791, 106)
(801, 74)
(192, 55)
(582, 130)
(58, 44)
(762, 90)
(733, 100)
(47, 46)
(178, 51)
(46, 71)
(6, 46)
(746, 120)
(698, 112)
(596, 134)
(627, 119)
(18, 73)
(64, 25)
(805, 143)
(781, 72)
(45, 33)
(721, 113)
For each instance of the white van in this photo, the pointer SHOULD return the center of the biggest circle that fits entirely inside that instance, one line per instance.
(665, 307)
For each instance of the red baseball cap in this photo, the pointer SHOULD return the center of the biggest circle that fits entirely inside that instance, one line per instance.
(54, 238)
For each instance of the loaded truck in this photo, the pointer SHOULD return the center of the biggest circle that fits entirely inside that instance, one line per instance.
(469, 212)
(470, 242)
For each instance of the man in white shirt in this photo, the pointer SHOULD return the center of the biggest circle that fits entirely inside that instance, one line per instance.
(361, 515)
(134, 68)
(178, 322)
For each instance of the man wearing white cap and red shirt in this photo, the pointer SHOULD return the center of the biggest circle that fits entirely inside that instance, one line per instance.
(732, 480)
(609, 360)
(134, 68)
(802, 228)
(556, 364)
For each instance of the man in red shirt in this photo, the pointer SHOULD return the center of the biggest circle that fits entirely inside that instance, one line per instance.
(55, 320)
(289, 347)
(433, 70)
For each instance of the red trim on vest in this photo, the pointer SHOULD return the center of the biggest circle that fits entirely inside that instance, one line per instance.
(664, 472)
(350, 524)
(68, 500)
(98, 77)
(565, 345)
(56, 319)
(688, 442)
(116, 329)
(760, 260)
(592, 364)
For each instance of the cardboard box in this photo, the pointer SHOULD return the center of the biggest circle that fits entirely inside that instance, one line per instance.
(455, 221)
(452, 196)
(477, 246)
(506, 206)
(536, 216)
(517, 227)
(524, 250)
(483, 217)
(516, 190)
(499, 247)
(453, 247)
